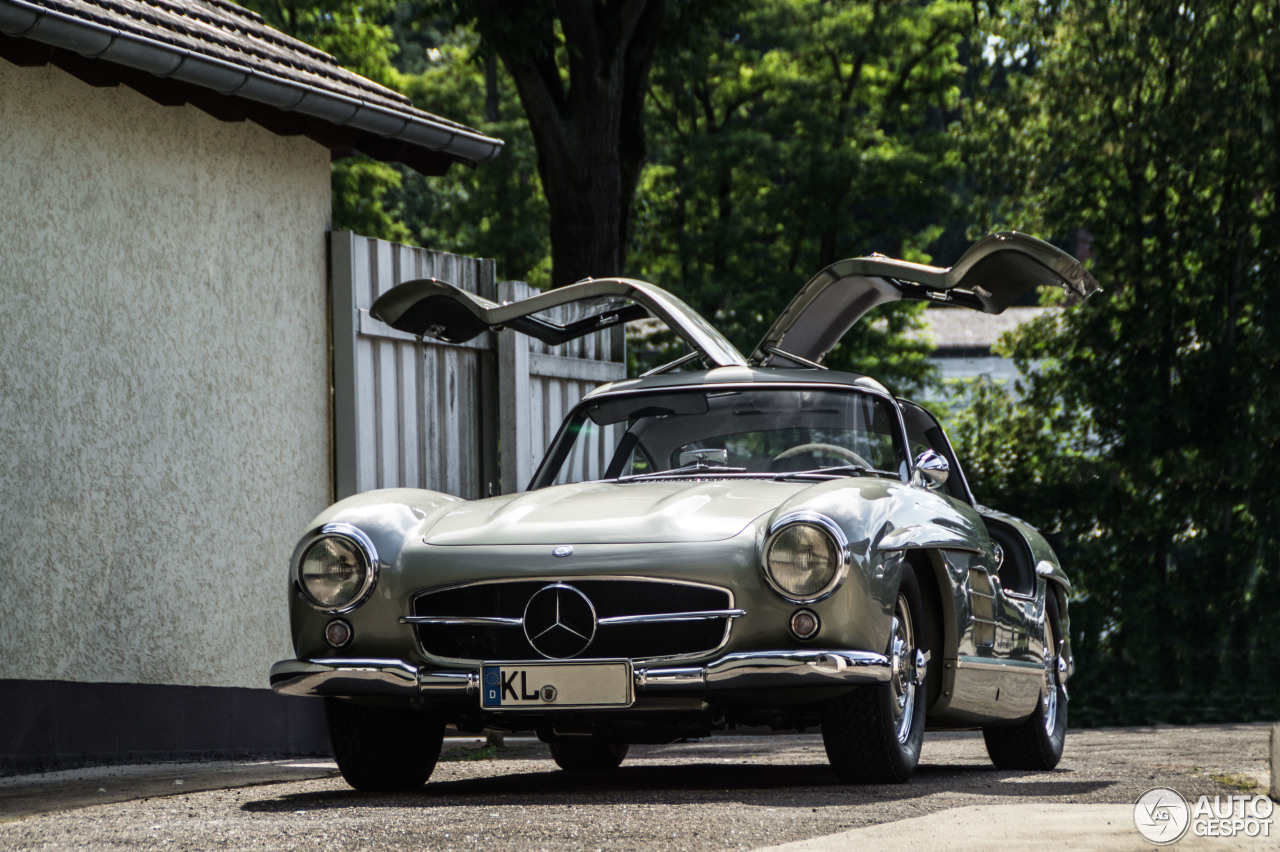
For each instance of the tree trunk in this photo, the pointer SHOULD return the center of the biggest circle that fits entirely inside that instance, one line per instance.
(587, 124)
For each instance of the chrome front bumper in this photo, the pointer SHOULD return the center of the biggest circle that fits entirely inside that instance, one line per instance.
(759, 670)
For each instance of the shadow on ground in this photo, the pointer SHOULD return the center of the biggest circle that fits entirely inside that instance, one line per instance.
(772, 785)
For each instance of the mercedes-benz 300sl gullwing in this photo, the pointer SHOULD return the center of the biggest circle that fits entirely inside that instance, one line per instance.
(725, 541)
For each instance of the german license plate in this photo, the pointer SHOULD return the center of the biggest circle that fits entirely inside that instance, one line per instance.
(555, 685)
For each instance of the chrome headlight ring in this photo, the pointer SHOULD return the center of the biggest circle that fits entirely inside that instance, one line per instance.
(357, 540)
(827, 527)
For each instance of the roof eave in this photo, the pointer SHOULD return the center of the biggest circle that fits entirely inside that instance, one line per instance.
(22, 19)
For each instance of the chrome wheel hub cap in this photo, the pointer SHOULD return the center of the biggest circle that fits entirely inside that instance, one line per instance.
(903, 661)
(1052, 662)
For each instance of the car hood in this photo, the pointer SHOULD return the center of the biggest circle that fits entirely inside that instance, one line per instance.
(642, 512)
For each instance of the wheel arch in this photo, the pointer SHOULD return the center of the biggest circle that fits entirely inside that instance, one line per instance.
(1061, 591)
(940, 628)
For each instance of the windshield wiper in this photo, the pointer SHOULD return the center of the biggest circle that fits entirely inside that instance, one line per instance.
(696, 467)
(838, 470)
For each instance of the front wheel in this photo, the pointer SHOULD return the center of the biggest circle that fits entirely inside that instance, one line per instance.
(588, 756)
(383, 749)
(874, 734)
(1037, 742)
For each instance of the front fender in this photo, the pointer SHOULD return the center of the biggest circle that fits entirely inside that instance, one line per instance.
(389, 518)
(928, 536)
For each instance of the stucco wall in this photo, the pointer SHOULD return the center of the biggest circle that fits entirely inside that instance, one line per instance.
(164, 384)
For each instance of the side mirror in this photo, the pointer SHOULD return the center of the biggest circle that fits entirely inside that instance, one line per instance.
(932, 470)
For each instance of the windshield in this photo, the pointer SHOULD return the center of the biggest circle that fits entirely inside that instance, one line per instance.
(754, 431)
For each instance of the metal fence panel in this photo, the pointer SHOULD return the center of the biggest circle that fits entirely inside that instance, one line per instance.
(539, 383)
(467, 419)
(407, 413)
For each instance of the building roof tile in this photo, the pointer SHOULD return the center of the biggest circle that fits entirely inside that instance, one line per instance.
(220, 46)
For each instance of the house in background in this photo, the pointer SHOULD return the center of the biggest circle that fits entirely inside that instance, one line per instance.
(965, 340)
(165, 365)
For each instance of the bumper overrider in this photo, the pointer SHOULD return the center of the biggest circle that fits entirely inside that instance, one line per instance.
(757, 670)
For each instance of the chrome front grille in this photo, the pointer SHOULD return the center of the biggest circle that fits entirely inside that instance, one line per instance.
(631, 618)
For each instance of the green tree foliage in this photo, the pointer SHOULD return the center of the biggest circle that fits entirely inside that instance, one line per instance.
(787, 134)
(355, 33)
(1146, 438)
(499, 209)
(365, 199)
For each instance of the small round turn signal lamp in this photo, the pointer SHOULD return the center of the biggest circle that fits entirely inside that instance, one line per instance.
(337, 633)
(805, 624)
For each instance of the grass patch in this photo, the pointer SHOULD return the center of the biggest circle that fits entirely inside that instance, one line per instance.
(1243, 783)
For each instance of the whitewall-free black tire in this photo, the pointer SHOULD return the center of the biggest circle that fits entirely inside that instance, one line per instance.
(874, 734)
(383, 748)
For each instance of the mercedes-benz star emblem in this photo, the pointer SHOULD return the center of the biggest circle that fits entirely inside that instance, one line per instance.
(559, 621)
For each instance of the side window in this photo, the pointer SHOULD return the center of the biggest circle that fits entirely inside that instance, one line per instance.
(592, 447)
(629, 460)
(924, 433)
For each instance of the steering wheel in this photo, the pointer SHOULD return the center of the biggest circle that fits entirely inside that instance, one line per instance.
(832, 450)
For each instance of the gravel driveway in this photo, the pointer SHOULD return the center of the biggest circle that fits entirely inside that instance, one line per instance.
(729, 792)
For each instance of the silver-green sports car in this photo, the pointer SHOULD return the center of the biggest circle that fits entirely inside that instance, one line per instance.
(762, 541)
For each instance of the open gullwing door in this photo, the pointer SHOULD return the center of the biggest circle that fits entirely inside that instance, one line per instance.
(432, 308)
(990, 277)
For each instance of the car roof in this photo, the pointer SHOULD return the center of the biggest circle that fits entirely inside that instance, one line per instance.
(746, 376)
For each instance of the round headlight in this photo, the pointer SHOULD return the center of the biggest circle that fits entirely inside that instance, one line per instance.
(334, 571)
(804, 562)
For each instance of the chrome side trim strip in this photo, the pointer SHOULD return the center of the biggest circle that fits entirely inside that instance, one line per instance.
(697, 615)
(463, 619)
(988, 664)
(654, 618)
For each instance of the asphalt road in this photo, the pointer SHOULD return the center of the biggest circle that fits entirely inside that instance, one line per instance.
(729, 792)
